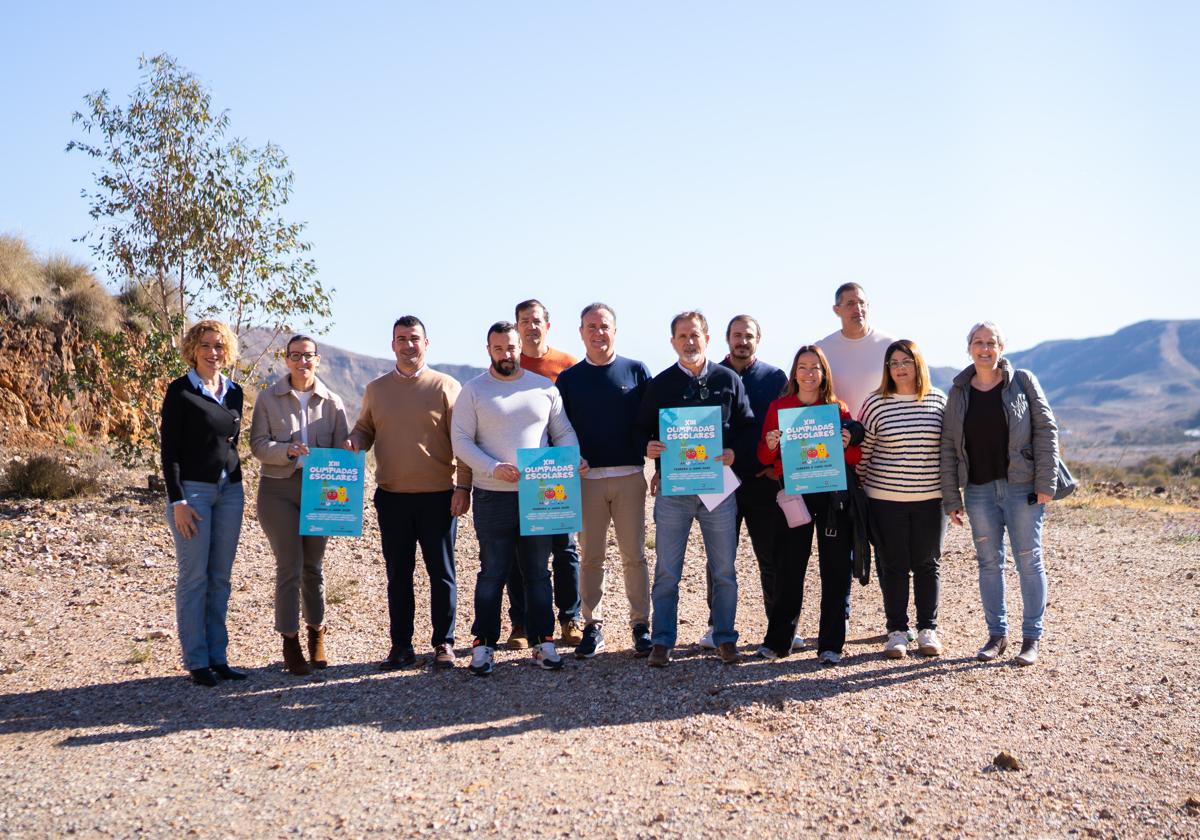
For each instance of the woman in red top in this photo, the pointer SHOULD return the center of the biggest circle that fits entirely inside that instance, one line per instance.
(810, 384)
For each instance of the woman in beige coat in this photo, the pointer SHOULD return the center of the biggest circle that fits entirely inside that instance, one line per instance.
(297, 412)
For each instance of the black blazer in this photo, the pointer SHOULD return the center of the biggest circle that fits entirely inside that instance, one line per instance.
(199, 436)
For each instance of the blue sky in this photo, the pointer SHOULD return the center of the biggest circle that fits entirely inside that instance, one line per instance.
(1031, 163)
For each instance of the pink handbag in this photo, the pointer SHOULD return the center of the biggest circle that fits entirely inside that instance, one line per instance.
(794, 509)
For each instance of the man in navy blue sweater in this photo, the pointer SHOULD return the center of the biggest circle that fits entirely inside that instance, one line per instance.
(694, 381)
(601, 396)
(756, 494)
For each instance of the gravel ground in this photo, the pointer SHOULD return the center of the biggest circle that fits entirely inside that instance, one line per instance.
(101, 734)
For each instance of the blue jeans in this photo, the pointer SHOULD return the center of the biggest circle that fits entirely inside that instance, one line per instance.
(205, 563)
(565, 565)
(991, 508)
(501, 546)
(673, 517)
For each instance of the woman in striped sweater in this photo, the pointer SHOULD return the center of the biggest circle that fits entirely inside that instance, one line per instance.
(899, 471)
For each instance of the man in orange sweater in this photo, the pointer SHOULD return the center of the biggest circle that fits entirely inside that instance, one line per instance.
(421, 492)
(533, 323)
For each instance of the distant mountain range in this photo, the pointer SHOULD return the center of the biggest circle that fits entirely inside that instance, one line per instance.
(1139, 385)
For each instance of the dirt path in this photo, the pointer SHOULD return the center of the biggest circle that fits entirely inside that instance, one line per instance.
(92, 743)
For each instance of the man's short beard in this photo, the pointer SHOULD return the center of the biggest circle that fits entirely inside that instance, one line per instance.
(509, 363)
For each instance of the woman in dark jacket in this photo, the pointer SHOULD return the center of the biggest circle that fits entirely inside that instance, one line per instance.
(999, 451)
(810, 383)
(201, 420)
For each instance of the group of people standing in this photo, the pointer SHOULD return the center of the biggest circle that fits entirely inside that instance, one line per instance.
(921, 457)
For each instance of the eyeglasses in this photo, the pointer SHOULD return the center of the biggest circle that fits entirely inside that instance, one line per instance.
(901, 363)
(698, 389)
(302, 357)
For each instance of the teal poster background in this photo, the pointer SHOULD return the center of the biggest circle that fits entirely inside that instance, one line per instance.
(548, 492)
(811, 441)
(693, 439)
(331, 496)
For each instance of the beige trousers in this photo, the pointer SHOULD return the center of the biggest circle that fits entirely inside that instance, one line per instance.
(621, 501)
(299, 579)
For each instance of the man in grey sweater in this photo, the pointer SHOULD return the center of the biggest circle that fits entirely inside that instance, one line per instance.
(498, 412)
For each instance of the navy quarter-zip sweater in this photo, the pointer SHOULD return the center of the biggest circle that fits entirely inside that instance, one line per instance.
(673, 389)
(602, 403)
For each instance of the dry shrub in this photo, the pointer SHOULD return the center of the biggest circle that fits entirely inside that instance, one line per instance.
(21, 275)
(66, 275)
(47, 477)
(93, 308)
(141, 303)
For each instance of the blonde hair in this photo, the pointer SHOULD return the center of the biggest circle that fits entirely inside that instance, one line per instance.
(887, 385)
(191, 341)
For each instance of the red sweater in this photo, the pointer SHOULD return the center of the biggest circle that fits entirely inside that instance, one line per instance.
(770, 457)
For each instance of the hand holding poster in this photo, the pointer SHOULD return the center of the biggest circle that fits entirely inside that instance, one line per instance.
(811, 447)
(548, 491)
(693, 440)
(331, 495)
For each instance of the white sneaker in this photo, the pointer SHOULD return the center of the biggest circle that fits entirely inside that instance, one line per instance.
(896, 646)
(546, 657)
(706, 641)
(765, 652)
(928, 643)
(798, 644)
(829, 657)
(481, 660)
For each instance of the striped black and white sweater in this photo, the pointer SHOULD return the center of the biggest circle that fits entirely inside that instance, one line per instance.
(902, 449)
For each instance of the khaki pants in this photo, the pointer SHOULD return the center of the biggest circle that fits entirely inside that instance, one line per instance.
(299, 580)
(623, 502)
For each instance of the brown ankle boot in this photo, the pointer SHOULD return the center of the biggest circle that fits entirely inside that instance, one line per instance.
(316, 646)
(293, 657)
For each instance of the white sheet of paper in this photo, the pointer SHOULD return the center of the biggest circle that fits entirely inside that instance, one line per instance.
(711, 500)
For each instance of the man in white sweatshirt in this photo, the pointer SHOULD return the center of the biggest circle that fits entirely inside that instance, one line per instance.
(855, 352)
(498, 412)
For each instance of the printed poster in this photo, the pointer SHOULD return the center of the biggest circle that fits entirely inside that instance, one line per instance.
(331, 496)
(811, 441)
(693, 439)
(548, 492)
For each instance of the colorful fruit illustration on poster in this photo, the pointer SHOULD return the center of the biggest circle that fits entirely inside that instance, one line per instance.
(822, 451)
(342, 495)
(560, 493)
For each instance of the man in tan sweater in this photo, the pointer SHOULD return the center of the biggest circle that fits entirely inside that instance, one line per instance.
(421, 491)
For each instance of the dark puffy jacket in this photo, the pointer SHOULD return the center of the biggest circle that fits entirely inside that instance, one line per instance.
(1032, 435)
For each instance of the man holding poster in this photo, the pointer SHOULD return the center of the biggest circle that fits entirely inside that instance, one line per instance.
(501, 411)
(688, 413)
(421, 489)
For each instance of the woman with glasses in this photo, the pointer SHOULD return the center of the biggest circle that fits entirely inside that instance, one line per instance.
(1000, 452)
(296, 414)
(810, 383)
(899, 472)
(201, 421)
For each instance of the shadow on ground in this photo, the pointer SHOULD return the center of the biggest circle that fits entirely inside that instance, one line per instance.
(516, 698)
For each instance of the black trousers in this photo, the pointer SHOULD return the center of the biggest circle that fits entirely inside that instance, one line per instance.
(406, 519)
(793, 546)
(909, 542)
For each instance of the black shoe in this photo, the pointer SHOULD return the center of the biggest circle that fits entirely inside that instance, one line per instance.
(592, 643)
(226, 673)
(203, 676)
(641, 640)
(992, 649)
(398, 658)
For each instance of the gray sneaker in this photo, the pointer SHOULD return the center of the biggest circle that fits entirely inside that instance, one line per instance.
(592, 642)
